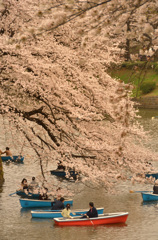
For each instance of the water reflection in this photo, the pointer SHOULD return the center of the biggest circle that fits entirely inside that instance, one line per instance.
(17, 223)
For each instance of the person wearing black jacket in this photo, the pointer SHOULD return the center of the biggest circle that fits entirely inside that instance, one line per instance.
(155, 188)
(59, 204)
(92, 211)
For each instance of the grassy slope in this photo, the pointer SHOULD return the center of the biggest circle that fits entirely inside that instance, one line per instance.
(130, 76)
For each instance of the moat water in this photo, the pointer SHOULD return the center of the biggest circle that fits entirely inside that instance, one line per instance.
(142, 222)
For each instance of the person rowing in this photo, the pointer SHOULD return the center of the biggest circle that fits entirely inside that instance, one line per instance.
(92, 211)
(7, 152)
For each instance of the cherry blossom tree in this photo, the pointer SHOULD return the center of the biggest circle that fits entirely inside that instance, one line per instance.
(56, 91)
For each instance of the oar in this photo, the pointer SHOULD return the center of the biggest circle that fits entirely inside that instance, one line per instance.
(90, 220)
(131, 191)
(12, 193)
(81, 214)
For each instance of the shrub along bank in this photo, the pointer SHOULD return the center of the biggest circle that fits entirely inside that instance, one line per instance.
(143, 76)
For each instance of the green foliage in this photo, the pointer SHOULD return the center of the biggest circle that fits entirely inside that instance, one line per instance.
(147, 87)
(135, 73)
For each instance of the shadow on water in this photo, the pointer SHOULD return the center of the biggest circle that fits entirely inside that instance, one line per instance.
(25, 210)
(150, 203)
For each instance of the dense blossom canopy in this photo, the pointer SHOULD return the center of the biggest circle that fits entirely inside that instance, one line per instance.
(55, 87)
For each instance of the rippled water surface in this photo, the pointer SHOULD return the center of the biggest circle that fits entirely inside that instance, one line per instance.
(142, 222)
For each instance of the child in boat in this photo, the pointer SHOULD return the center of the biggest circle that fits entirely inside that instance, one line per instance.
(66, 212)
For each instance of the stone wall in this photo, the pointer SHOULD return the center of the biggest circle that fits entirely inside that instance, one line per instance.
(147, 102)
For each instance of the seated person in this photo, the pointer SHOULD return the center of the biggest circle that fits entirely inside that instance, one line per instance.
(44, 195)
(33, 185)
(155, 188)
(7, 152)
(66, 212)
(58, 204)
(24, 184)
(60, 166)
(92, 211)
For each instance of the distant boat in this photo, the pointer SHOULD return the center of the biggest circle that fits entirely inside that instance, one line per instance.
(57, 213)
(62, 173)
(149, 197)
(17, 159)
(154, 175)
(29, 203)
(102, 219)
(154, 117)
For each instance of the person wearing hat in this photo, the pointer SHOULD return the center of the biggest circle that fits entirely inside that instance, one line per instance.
(155, 188)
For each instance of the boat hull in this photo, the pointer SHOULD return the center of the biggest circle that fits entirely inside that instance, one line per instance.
(100, 220)
(29, 203)
(29, 195)
(149, 197)
(62, 174)
(57, 213)
(154, 175)
(18, 159)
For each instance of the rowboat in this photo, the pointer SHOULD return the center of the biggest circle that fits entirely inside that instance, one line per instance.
(29, 203)
(57, 213)
(154, 175)
(28, 195)
(149, 196)
(102, 219)
(18, 159)
(62, 173)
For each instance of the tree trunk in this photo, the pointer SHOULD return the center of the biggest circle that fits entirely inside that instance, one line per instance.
(127, 47)
(1, 171)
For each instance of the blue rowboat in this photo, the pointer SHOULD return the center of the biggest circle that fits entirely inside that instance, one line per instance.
(57, 213)
(62, 173)
(149, 197)
(29, 203)
(154, 175)
(29, 195)
(17, 159)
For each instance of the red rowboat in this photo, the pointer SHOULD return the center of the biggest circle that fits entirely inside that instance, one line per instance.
(102, 219)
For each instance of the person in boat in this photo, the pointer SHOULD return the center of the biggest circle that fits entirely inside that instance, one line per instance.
(58, 204)
(24, 184)
(7, 152)
(60, 166)
(92, 211)
(33, 184)
(155, 188)
(66, 212)
(44, 195)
